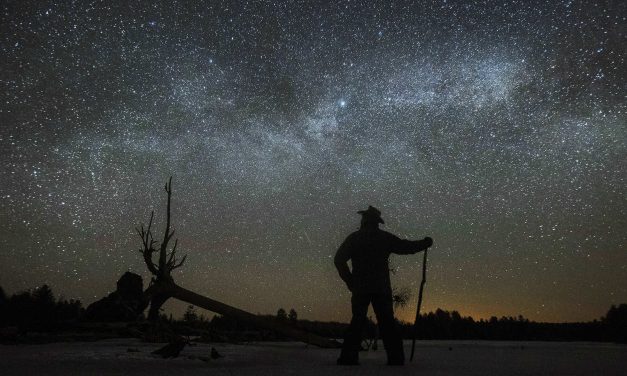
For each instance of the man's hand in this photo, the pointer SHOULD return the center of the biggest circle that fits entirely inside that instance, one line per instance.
(420, 245)
(428, 241)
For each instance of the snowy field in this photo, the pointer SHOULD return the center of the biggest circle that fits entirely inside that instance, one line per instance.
(112, 357)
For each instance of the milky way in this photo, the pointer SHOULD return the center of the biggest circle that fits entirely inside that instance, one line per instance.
(498, 128)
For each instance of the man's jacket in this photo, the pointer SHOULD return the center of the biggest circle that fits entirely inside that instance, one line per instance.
(369, 250)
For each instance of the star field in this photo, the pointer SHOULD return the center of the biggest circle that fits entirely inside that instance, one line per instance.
(499, 128)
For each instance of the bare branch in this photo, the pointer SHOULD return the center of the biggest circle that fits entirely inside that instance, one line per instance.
(176, 242)
(172, 254)
(179, 264)
(166, 234)
(170, 235)
(148, 245)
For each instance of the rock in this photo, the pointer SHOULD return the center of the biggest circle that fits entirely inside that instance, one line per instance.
(215, 354)
(171, 350)
(130, 286)
(126, 303)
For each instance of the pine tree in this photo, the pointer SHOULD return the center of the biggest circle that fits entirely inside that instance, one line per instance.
(293, 316)
(281, 314)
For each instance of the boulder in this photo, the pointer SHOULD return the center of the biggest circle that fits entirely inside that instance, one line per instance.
(126, 303)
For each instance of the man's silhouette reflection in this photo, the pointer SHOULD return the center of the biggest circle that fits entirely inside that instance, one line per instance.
(369, 281)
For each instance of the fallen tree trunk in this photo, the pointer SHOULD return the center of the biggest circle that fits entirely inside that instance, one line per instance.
(198, 300)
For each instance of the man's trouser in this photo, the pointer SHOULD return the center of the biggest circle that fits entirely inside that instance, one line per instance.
(382, 305)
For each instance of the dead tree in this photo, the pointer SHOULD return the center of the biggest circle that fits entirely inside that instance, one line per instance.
(162, 286)
(162, 271)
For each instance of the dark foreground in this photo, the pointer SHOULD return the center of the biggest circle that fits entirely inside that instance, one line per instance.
(132, 357)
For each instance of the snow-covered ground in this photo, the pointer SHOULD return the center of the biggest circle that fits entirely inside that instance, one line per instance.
(112, 357)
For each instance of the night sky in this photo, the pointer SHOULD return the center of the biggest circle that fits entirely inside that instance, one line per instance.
(499, 128)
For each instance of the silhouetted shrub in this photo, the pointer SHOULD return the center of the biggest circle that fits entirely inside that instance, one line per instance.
(37, 309)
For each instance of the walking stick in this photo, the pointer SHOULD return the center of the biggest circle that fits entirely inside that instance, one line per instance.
(422, 285)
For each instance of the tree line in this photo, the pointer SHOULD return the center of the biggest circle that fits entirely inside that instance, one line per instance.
(444, 325)
(38, 310)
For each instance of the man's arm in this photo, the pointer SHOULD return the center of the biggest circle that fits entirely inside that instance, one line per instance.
(407, 247)
(342, 256)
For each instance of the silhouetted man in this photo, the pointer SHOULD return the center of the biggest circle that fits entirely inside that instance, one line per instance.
(369, 281)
